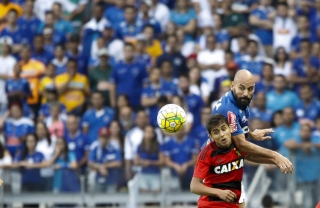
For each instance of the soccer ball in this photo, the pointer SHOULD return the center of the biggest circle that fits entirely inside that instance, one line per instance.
(171, 118)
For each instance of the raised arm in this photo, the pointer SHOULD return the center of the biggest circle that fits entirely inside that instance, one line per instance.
(251, 149)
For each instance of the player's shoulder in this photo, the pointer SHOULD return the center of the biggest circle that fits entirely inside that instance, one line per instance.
(207, 151)
(225, 105)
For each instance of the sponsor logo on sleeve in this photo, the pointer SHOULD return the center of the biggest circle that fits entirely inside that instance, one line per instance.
(232, 119)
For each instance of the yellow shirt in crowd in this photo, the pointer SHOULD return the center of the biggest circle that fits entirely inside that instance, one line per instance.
(32, 72)
(45, 83)
(75, 96)
(155, 50)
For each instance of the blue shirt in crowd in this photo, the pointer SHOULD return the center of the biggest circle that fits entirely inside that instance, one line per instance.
(266, 36)
(31, 24)
(103, 155)
(18, 35)
(288, 99)
(180, 152)
(129, 79)
(45, 56)
(114, 15)
(78, 144)
(254, 65)
(45, 109)
(311, 112)
(149, 156)
(125, 30)
(265, 115)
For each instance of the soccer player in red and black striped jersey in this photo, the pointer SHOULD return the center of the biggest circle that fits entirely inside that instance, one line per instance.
(218, 173)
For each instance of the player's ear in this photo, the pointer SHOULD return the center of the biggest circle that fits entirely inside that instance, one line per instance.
(232, 85)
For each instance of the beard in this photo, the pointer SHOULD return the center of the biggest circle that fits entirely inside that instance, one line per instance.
(243, 102)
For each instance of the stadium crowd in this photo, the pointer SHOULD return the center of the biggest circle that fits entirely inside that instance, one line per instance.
(81, 83)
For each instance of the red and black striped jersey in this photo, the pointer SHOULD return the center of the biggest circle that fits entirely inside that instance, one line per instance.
(220, 168)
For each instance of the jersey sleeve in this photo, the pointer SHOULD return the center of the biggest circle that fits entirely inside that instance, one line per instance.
(230, 112)
(203, 165)
(85, 119)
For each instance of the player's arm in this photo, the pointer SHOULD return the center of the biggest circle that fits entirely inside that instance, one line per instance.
(256, 159)
(251, 149)
(197, 187)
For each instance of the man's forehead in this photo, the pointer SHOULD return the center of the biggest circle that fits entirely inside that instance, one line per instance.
(217, 127)
(246, 84)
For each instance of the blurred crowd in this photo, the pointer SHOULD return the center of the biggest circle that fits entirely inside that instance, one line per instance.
(81, 83)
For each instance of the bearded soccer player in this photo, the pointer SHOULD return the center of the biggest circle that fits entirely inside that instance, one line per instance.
(235, 106)
(219, 169)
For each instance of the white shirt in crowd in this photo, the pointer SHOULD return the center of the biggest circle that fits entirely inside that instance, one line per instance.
(284, 30)
(6, 68)
(115, 50)
(47, 150)
(208, 57)
(285, 71)
(162, 14)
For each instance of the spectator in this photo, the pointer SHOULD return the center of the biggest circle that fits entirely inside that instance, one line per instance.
(284, 28)
(242, 43)
(305, 70)
(276, 120)
(77, 141)
(200, 132)
(61, 25)
(173, 55)
(45, 146)
(199, 84)
(39, 52)
(30, 161)
(17, 35)
(42, 6)
(152, 92)
(29, 21)
(6, 70)
(308, 108)
(51, 95)
(64, 162)
(160, 12)
(211, 61)
(72, 88)
(129, 85)
(185, 17)
(15, 127)
(93, 28)
(5, 163)
(115, 14)
(55, 122)
(126, 118)
(146, 19)
(60, 60)
(260, 110)
(99, 76)
(51, 38)
(252, 61)
(5, 7)
(267, 77)
(287, 97)
(153, 46)
(73, 52)
(132, 141)
(261, 19)
(123, 32)
(32, 70)
(18, 89)
(105, 159)
(178, 100)
(140, 52)
(73, 11)
(109, 41)
(47, 82)
(96, 117)
(116, 136)
(303, 34)
(231, 20)
(282, 65)
(180, 155)
(288, 130)
(150, 159)
(167, 78)
(193, 102)
(306, 148)
(122, 101)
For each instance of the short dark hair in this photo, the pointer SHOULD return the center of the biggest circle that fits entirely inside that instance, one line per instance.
(267, 201)
(70, 60)
(285, 4)
(215, 120)
(253, 41)
(126, 44)
(130, 7)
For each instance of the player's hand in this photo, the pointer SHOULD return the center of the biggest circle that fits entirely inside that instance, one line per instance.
(260, 134)
(284, 164)
(227, 195)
